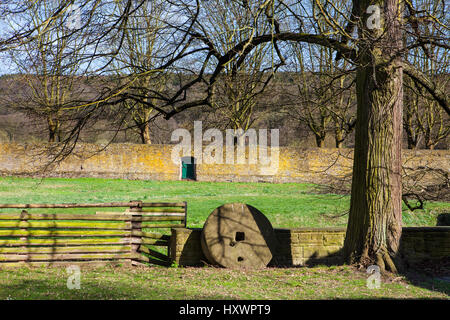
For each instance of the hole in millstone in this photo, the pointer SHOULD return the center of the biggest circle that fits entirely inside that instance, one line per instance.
(240, 259)
(240, 236)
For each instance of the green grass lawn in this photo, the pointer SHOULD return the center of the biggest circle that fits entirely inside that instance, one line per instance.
(287, 205)
(339, 282)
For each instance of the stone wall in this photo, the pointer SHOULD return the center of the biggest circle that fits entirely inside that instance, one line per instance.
(153, 162)
(306, 246)
(309, 246)
(425, 243)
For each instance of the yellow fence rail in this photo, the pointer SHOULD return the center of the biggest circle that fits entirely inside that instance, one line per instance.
(116, 236)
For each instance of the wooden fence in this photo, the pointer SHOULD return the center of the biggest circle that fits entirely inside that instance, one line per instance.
(101, 237)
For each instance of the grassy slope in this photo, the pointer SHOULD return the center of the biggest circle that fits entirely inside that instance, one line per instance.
(340, 282)
(286, 205)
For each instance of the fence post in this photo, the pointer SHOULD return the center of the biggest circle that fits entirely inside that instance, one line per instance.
(185, 214)
(136, 227)
(24, 217)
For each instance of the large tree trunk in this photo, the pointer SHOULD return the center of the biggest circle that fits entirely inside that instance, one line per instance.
(374, 226)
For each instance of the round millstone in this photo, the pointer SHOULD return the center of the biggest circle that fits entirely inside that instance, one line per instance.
(237, 235)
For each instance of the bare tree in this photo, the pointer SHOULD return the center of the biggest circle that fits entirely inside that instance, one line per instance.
(343, 113)
(48, 67)
(368, 34)
(143, 44)
(424, 119)
(234, 94)
(323, 100)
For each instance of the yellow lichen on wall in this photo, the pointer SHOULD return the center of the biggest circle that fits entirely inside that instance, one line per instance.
(132, 161)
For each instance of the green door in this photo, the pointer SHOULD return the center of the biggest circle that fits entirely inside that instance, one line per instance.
(188, 168)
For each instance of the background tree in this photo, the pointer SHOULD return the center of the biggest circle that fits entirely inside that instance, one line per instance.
(322, 101)
(48, 67)
(424, 119)
(143, 44)
(312, 102)
(343, 113)
(235, 94)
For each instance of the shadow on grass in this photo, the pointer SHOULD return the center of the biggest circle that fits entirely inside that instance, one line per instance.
(433, 275)
(91, 289)
(425, 275)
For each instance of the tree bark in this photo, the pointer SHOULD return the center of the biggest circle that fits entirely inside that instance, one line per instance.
(53, 129)
(320, 141)
(144, 132)
(338, 138)
(374, 226)
(412, 140)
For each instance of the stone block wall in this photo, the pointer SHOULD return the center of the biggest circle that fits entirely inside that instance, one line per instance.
(310, 246)
(154, 162)
(306, 246)
(185, 247)
(425, 243)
